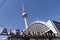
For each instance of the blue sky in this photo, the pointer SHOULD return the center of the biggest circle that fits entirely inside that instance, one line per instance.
(11, 12)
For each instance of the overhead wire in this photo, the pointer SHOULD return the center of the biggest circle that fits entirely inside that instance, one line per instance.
(2, 3)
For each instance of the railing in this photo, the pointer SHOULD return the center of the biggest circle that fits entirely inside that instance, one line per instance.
(27, 35)
(34, 38)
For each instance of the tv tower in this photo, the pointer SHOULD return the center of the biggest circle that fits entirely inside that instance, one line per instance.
(24, 14)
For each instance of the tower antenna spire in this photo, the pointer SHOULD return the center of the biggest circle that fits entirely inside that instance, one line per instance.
(23, 7)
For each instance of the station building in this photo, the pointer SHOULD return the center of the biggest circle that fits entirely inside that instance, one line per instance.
(49, 30)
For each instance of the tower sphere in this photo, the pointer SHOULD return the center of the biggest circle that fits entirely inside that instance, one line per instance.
(24, 14)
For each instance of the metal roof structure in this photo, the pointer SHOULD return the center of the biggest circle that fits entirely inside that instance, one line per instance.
(41, 26)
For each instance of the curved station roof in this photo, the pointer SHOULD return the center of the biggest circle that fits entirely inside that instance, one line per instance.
(41, 26)
(38, 26)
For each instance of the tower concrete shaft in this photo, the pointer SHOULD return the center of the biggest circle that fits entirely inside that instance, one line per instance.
(26, 24)
(24, 14)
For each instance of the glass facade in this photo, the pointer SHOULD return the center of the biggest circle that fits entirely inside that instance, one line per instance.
(38, 27)
(57, 24)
